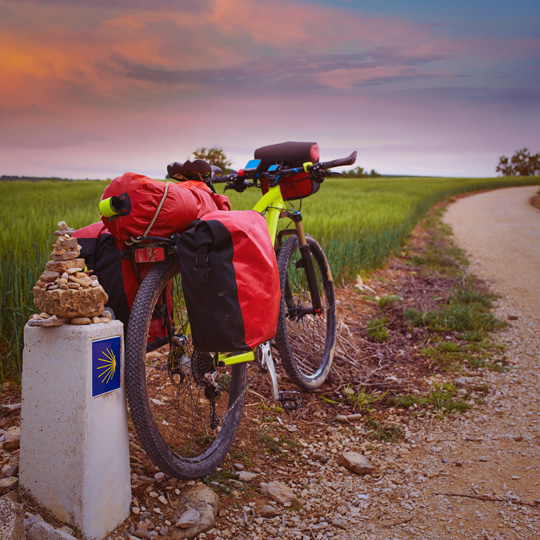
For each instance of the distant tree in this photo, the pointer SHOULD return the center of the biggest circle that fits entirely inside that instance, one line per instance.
(214, 156)
(522, 163)
(359, 172)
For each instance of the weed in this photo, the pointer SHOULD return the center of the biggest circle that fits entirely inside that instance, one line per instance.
(328, 400)
(240, 455)
(272, 408)
(376, 328)
(413, 317)
(274, 444)
(444, 396)
(386, 433)
(221, 475)
(406, 401)
(448, 347)
(270, 442)
(388, 299)
(452, 357)
(361, 399)
(460, 314)
(226, 382)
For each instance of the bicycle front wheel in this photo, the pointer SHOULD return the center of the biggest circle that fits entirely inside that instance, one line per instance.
(186, 412)
(305, 340)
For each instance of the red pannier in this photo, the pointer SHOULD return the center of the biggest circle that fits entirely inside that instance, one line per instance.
(154, 208)
(119, 276)
(230, 281)
(290, 154)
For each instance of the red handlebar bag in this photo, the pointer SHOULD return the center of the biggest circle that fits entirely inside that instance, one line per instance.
(230, 281)
(155, 208)
(290, 154)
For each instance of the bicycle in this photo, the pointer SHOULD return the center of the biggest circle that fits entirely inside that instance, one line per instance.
(186, 405)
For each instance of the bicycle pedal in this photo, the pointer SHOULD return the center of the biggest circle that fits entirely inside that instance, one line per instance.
(290, 399)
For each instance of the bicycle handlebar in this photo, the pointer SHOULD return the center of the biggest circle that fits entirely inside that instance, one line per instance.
(317, 171)
(340, 162)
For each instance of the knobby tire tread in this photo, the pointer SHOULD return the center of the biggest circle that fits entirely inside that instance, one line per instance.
(137, 394)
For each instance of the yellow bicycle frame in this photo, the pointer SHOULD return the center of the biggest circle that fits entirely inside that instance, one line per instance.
(270, 204)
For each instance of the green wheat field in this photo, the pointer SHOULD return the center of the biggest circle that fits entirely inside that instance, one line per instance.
(359, 222)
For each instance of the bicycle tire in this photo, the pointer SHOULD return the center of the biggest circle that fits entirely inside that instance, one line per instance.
(167, 390)
(305, 343)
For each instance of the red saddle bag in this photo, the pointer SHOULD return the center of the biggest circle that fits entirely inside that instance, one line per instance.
(155, 208)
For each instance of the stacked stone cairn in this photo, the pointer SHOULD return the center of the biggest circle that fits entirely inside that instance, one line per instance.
(65, 292)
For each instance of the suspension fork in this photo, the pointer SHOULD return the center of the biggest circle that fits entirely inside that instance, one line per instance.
(307, 263)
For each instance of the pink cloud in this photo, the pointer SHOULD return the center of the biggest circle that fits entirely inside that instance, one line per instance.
(349, 78)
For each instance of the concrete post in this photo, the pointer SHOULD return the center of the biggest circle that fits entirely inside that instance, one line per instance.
(74, 457)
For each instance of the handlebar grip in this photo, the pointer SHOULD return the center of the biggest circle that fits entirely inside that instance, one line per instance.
(340, 162)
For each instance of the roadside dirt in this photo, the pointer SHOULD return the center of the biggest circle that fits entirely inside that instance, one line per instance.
(437, 476)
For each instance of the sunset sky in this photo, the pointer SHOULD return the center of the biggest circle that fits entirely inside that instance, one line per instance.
(92, 89)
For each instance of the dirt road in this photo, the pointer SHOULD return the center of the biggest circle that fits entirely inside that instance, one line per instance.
(493, 452)
(500, 231)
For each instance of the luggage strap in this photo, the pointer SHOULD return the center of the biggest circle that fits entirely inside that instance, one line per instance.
(207, 235)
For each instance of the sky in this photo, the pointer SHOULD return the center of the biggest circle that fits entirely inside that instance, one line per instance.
(93, 89)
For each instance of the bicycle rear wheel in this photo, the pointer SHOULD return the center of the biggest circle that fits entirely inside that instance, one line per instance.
(186, 412)
(304, 339)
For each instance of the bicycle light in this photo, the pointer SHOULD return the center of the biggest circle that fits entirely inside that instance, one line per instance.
(115, 206)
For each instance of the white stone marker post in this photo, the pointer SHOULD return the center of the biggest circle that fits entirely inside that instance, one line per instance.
(74, 457)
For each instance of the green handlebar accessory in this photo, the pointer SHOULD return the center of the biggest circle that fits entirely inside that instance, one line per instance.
(107, 207)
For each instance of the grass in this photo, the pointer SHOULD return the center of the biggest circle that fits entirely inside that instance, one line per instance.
(359, 222)
(29, 215)
(387, 300)
(443, 397)
(383, 432)
(361, 399)
(376, 328)
(466, 311)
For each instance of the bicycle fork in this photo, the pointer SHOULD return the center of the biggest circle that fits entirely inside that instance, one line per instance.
(307, 264)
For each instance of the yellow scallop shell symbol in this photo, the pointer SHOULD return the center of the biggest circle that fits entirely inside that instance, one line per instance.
(108, 367)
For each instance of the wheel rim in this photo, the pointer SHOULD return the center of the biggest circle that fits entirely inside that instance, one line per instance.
(308, 332)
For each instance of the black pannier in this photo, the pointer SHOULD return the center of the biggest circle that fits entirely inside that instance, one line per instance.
(230, 281)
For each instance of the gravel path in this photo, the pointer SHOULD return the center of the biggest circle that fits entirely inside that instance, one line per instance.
(500, 231)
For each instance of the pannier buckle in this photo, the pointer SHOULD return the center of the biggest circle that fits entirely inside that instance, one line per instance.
(202, 273)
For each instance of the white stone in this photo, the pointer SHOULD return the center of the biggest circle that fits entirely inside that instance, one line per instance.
(190, 518)
(278, 491)
(356, 462)
(74, 457)
(246, 476)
